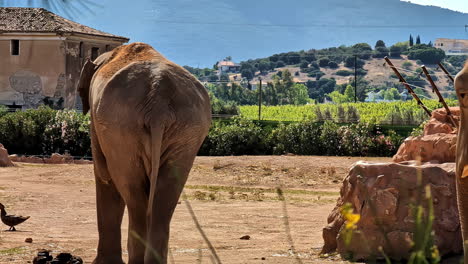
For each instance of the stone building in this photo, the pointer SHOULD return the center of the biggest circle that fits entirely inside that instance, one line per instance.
(41, 55)
(452, 46)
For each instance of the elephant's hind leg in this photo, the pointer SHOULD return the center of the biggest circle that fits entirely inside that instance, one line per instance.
(171, 179)
(110, 209)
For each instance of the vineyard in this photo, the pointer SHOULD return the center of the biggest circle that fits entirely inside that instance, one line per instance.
(393, 113)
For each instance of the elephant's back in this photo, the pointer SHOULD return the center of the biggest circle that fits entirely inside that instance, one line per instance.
(142, 92)
(124, 55)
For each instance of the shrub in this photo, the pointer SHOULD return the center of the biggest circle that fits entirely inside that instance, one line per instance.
(333, 65)
(299, 138)
(241, 137)
(407, 65)
(67, 132)
(22, 131)
(343, 73)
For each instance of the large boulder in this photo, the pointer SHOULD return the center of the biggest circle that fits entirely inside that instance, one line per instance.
(383, 194)
(4, 159)
(438, 142)
(436, 147)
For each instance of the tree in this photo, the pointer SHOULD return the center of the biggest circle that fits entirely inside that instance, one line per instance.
(304, 65)
(228, 58)
(363, 50)
(263, 66)
(298, 94)
(410, 40)
(247, 73)
(309, 57)
(337, 97)
(349, 93)
(392, 94)
(333, 65)
(395, 51)
(349, 62)
(380, 44)
(380, 52)
(323, 62)
(418, 40)
(425, 53)
(224, 77)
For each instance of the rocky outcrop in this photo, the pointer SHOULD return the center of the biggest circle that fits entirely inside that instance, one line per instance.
(383, 195)
(436, 147)
(53, 159)
(4, 159)
(438, 142)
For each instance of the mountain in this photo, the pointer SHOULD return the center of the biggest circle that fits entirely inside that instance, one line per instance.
(199, 33)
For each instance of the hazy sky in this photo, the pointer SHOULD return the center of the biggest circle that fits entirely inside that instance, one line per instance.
(458, 5)
(199, 33)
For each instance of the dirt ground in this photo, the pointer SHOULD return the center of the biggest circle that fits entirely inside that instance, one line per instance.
(231, 197)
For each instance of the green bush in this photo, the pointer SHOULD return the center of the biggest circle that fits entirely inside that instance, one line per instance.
(241, 137)
(45, 131)
(67, 132)
(344, 73)
(22, 131)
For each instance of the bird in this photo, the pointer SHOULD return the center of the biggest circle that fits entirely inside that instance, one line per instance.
(11, 220)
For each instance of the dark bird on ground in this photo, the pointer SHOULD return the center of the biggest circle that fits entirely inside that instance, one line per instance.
(11, 220)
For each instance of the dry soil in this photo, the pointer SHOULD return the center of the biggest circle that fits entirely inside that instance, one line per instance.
(231, 196)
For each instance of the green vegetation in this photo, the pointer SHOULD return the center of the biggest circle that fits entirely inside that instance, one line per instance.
(397, 113)
(244, 137)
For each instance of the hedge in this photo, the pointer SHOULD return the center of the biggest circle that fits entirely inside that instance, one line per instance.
(44, 131)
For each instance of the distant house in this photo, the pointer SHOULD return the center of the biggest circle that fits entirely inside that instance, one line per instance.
(379, 96)
(41, 55)
(228, 66)
(452, 46)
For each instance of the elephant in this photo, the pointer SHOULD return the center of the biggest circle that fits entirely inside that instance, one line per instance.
(461, 88)
(149, 117)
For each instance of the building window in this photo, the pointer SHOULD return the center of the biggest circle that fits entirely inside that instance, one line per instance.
(94, 53)
(81, 50)
(108, 48)
(441, 44)
(15, 47)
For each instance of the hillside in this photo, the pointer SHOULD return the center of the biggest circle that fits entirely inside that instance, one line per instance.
(378, 74)
(199, 33)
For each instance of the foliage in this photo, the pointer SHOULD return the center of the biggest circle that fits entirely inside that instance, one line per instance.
(23, 131)
(241, 137)
(407, 112)
(67, 132)
(332, 139)
(425, 53)
(344, 73)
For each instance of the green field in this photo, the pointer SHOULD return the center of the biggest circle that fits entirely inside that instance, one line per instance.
(407, 112)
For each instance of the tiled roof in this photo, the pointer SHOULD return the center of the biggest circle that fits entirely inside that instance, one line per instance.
(227, 63)
(20, 19)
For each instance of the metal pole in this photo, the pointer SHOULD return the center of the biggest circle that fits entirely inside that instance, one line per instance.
(441, 99)
(410, 90)
(260, 99)
(446, 72)
(355, 78)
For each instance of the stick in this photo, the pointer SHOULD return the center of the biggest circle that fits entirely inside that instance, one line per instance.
(441, 99)
(410, 90)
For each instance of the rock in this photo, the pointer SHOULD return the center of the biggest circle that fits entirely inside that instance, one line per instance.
(56, 158)
(438, 142)
(4, 158)
(382, 194)
(436, 147)
(28, 240)
(246, 237)
(83, 161)
(440, 122)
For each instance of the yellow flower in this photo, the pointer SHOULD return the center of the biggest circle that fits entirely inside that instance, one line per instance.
(351, 218)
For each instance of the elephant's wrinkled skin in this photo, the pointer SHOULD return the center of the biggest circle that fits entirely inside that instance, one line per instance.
(461, 87)
(149, 117)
